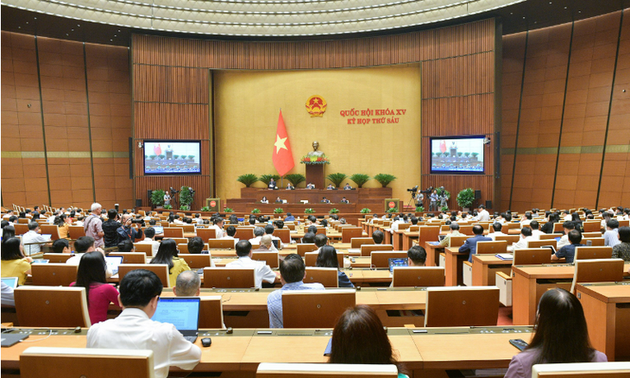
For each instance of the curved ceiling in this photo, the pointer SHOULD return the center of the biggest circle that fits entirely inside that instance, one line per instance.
(262, 18)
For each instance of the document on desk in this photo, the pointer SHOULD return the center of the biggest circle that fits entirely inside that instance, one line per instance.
(505, 256)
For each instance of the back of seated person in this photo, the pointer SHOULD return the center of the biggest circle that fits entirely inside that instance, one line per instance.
(378, 236)
(195, 245)
(188, 284)
(126, 246)
(309, 237)
(61, 246)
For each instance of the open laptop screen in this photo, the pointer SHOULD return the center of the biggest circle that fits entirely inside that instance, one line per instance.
(10, 281)
(113, 262)
(183, 313)
(394, 262)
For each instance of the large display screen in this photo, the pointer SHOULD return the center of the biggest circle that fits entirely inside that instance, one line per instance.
(457, 154)
(169, 157)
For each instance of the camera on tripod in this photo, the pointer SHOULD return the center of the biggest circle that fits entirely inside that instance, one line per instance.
(413, 190)
(428, 190)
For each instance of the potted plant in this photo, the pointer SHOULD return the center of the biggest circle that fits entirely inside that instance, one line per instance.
(256, 211)
(228, 210)
(248, 179)
(278, 210)
(267, 178)
(384, 179)
(309, 211)
(157, 198)
(465, 198)
(360, 179)
(419, 209)
(334, 210)
(295, 178)
(365, 210)
(336, 178)
(185, 198)
(184, 207)
(168, 207)
(205, 208)
(392, 210)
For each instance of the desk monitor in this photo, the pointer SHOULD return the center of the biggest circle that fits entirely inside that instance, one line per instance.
(394, 262)
(10, 281)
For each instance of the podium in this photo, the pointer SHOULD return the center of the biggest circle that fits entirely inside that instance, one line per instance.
(315, 174)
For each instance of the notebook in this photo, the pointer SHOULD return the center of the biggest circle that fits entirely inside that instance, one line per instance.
(182, 312)
(394, 262)
(113, 262)
(10, 281)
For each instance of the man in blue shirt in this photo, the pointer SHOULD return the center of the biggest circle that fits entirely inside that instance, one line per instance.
(292, 273)
(471, 243)
(568, 251)
(289, 218)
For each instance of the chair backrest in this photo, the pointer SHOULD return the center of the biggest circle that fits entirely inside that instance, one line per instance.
(211, 312)
(547, 236)
(590, 226)
(458, 241)
(40, 362)
(50, 306)
(358, 242)
(315, 308)
(207, 233)
(418, 276)
(51, 230)
(57, 258)
(589, 253)
(557, 228)
(325, 276)
(21, 229)
(582, 369)
(509, 238)
(160, 269)
(178, 240)
(466, 229)
(492, 247)
(23, 221)
(540, 243)
(173, 232)
(302, 248)
(54, 274)
(380, 259)
(598, 270)
(131, 257)
(594, 234)
(271, 258)
(290, 370)
(284, 234)
(229, 277)
(182, 247)
(347, 233)
(244, 233)
(188, 227)
(594, 241)
(196, 260)
(310, 259)
(462, 306)
(221, 243)
(367, 249)
(75, 232)
(428, 233)
(532, 256)
(403, 226)
(144, 248)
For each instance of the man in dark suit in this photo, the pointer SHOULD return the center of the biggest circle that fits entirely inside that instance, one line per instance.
(471, 243)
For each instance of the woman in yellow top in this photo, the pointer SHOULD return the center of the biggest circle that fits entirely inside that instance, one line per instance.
(63, 222)
(14, 264)
(167, 254)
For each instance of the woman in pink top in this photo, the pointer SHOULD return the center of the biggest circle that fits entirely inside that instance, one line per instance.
(91, 276)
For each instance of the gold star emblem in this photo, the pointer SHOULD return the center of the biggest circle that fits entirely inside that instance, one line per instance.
(280, 143)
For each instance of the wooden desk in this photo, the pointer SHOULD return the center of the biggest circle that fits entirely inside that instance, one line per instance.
(453, 266)
(433, 253)
(408, 238)
(484, 268)
(397, 240)
(608, 317)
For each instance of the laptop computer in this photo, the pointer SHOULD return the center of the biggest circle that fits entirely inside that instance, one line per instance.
(9, 339)
(113, 262)
(10, 281)
(394, 262)
(40, 261)
(158, 230)
(182, 312)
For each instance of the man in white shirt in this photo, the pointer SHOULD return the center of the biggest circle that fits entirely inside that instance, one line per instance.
(482, 214)
(258, 233)
(266, 245)
(535, 230)
(567, 226)
(133, 328)
(218, 228)
(262, 272)
(149, 235)
(526, 236)
(32, 240)
(230, 231)
(497, 227)
(83, 245)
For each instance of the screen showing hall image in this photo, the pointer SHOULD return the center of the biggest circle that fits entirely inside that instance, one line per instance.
(172, 157)
(457, 154)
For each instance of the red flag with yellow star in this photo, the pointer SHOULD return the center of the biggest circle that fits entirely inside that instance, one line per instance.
(282, 154)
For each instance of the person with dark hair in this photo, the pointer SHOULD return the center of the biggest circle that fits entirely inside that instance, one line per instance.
(567, 226)
(320, 241)
(497, 231)
(14, 264)
(279, 224)
(8, 232)
(230, 231)
(133, 329)
(289, 218)
(126, 231)
(568, 251)
(33, 240)
(61, 246)
(218, 227)
(309, 237)
(292, 273)
(561, 335)
(99, 294)
(312, 228)
(110, 226)
(416, 256)
(378, 236)
(611, 236)
(195, 245)
(360, 338)
(168, 254)
(188, 284)
(575, 218)
(262, 271)
(535, 229)
(552, 218)
(126, 246)
(526, 236)
(446, 242)
(63, 223)
(622, 250)
(482, 214)
(149, 235)
(269, 229)
(470, 245)
(327, 258)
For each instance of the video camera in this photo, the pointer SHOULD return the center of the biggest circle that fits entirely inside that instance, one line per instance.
(428, 190)
(413, 190)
